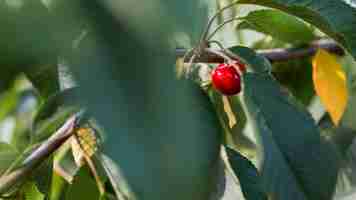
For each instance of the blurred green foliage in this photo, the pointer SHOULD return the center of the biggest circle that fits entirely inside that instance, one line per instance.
(162, 136)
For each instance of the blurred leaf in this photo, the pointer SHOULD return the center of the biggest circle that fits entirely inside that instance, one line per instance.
(107, 196)
(341, 137)
(294, 153)
(43, 176)
(347, 173)
(53, 113)
(246, 172)
(27, 40)
(31, 192)
(330, 84)
(46, 128)
(70, 24)
(58, 187)
(7, 77)
(83, 187)
(256, 62)
(8, 154)
(28, 43)
(124, 73)
(44, 79)
(8, 102)
(25, 112)
(349, 65)
(279, 25)
(330, 16)
(68, 97)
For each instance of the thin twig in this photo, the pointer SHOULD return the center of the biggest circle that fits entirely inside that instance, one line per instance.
(207, 28)
(38, 155)
(222, 25)
(274, 55)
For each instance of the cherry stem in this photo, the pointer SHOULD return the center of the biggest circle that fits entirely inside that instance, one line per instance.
(222, 25)
(206, 31)
(187, 69)
(226, 51)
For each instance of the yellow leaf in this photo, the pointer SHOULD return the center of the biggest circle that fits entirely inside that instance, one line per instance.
(330, 84)
(228, 110)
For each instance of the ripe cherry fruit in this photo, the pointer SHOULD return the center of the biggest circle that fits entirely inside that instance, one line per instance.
(226, 79)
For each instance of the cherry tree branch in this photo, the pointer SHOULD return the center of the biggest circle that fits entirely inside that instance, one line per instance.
(273, 55)
(38, 156)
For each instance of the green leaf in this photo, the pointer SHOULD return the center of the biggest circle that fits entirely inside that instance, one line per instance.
(125, 74)
(296, 75)
(334, 17)
(31, 192)
(43, 176)
(46, 128)
(342, 138)
(234, 136)
(8, 102)
(28, 43)
(8, 154)
(69, 23)
(83, 187)
(59, 187)
(256, 62)
(26, 38)
(117, 180)
(44, 79)
(26, 106)
(53, 113)
(268, 43)
(349, 65)
(294, 153)
(246, 172)
(279, 25)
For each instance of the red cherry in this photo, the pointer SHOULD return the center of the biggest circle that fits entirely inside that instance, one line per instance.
(226, 79)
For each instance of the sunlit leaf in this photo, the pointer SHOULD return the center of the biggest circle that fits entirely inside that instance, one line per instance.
(279, 25)
(330, 84)
(31, 192)
(336, 18)
(229, 112)
(8, 155)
